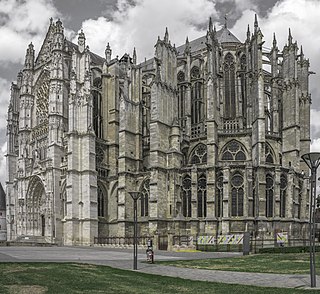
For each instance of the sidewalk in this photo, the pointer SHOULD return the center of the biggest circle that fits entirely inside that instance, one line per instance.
(122, 258)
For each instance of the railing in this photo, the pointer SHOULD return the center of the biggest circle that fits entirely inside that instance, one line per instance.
(118, 241)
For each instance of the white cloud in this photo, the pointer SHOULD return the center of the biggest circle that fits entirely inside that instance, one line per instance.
(23, 21)
(140, 24)
(315, 145)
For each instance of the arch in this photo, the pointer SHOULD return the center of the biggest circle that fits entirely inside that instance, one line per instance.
(97, 107)
(186, 196)
(283, 192)
(63, 199)
(237, 194)
(269, 195)
(219, 195)
(102, 200)
(198, 154)
(144, 197)
(202, 195)
(234, 150)
(230, 86)
(269, 153)
(36, 207)
(195, 72)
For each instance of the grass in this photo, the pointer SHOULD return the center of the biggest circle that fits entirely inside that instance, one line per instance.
(38, 278)
(289, 263)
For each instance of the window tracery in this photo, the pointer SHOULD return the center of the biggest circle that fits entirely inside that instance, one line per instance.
(186, 196)
(199, 154)
(268, 153)
(229, 84)
(144, 198)
(202, 195)
(101, 201)
(269, 195)
(234, 151)
(283, 192)
(237, 194)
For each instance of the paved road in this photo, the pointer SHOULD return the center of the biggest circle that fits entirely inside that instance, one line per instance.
(122, 258)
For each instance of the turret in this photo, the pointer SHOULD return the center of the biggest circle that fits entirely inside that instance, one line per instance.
(81, 41)
(108, 53)
(58, 38)
(29, 60)
(134, 56)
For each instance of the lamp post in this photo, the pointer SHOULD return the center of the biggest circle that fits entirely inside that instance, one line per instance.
(135, 196)
(312, 160)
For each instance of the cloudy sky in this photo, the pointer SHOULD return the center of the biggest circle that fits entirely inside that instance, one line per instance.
(128, 23)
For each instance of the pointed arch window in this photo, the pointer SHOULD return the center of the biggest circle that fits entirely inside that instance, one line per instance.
(219, 195)
(196, 96)
(202, 195)
(269, 195)
(237, 194)
(299, 199)
(97, 107)
(234, 151)
(269, 155)
(243, 67)
(186, 196)
(199, 154)
(229, 85)
(283, 192)
(101, 201)
(144, 198)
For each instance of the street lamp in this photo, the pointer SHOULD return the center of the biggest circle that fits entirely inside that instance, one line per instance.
(312, 160)
(135, 196)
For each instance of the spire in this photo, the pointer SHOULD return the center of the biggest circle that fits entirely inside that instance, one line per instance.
(256, 25)
(301, 54)
(210, 25)
(248, 34)
(81, 41)
(187, 47)
(134, 56)
(166, 36)
(274, 40)
(29, 60)
(289, 37)
(225, 21)
(108, 53)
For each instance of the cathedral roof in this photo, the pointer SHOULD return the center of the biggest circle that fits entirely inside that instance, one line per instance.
(223, 36)
(2, 198)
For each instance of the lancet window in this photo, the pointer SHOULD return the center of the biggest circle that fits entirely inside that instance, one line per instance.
(97, 108)
(219, 195)
(101, 201)
(202, 195)
(229, 86)
(269, 195)
(144, 198)
(196, 96)
(237, 194)
(268, 153)
(283, 192)
(186, 196)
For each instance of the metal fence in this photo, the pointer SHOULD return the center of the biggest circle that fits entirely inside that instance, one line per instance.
(142, 240)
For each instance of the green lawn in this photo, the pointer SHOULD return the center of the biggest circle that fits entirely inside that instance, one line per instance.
(289, 263)
(36, 278)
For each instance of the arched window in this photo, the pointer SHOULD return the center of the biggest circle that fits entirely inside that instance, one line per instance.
(269, 195)
(144, 198)
(181, 101)
(101, 202)
(186, 196)
(283, 192)
(299, 198)
(202, 196)
(229, 84)
(243, 68)
(237, 194)
(219, 195)
(196, 96)
(97, 108)
(269, 156)
(233, 151)
(268, 113)
(199, 154)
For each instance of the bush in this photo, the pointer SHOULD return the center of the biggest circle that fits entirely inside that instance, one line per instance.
(296, 249)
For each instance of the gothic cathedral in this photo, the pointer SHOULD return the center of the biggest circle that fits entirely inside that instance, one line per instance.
(210, 133)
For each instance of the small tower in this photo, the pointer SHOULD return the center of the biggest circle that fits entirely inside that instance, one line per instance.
(81, 41)
(29, 60)
(108, 53)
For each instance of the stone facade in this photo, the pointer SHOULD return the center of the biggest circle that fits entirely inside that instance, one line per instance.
(211, 133)
(3, 220)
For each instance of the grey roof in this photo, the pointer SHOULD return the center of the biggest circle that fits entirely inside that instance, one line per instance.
(223, 36)
(2, 198)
